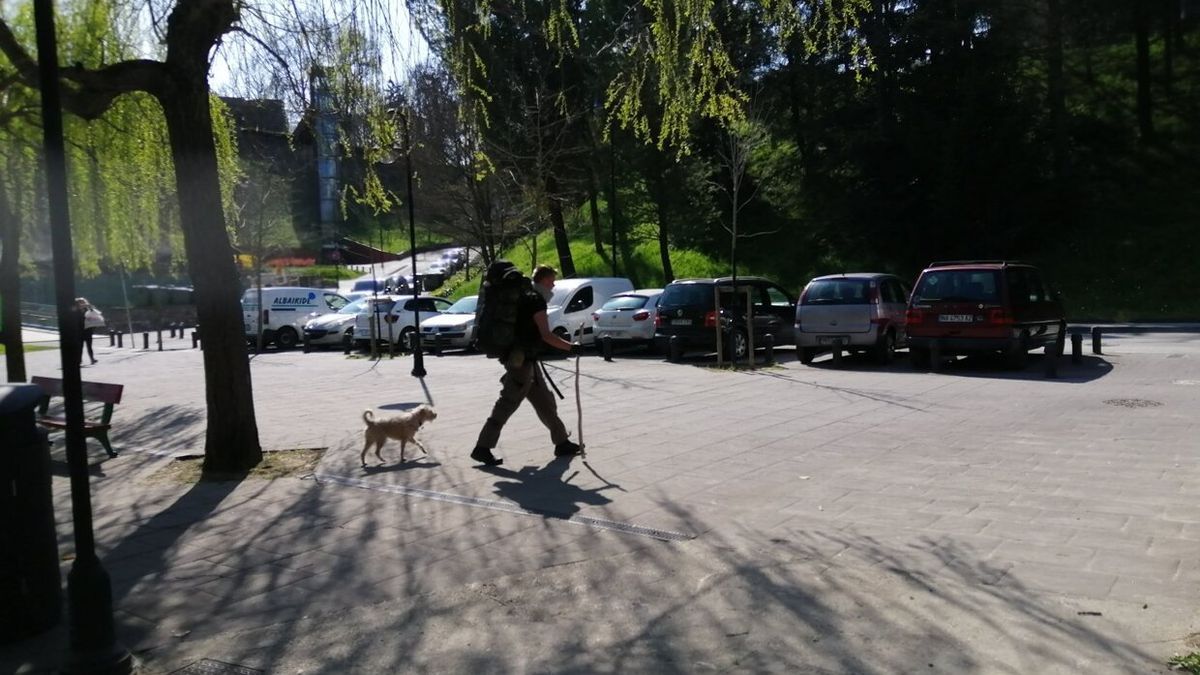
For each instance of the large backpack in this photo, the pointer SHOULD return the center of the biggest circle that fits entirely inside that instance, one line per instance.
(496, 330)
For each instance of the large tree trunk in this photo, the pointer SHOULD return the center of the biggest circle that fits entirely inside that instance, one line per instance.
(10, 291)
(1055, 91)
(1145, 114)
(565, 261)
(593, 199)
(231, 443)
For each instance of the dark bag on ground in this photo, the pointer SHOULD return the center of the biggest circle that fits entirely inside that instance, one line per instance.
(496, 314)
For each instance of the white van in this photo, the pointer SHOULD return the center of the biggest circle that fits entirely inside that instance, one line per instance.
(574, 300)
(285, 310)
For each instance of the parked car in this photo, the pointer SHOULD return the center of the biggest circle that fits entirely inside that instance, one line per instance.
(628, 318)
(455, 326)
(369, 286)
(864, 311)
(323, 330)
(687, 312)
(571, 305)
(964, 307)
(394, 317)
(285, 310)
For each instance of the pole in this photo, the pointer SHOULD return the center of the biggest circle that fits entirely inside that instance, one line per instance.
(93, 646)
(578, 406)
(612, 187)
(418, 369)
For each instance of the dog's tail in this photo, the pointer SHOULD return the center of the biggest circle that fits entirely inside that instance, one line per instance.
(369, 417)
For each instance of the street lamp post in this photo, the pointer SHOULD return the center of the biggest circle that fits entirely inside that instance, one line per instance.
(418, 369)
(92, 631)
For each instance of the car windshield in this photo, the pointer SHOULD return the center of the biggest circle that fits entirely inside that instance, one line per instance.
(957, 286)
(366, 285)
(354, 307)
(559, 296)
(837, 292)
(464, 306)
(626, 302)
(687, 294)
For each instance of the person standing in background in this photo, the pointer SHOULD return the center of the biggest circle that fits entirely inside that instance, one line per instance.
(89, 319)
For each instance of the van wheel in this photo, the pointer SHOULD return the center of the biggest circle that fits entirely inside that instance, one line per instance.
(738, 346)
(885, 351)
(562, 333)
(286, 338)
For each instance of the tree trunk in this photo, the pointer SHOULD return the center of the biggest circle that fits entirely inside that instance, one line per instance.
(1170, 19)
(10, 291)
(597, 234)
(1055, 91)
(231, 443)
(1145, 114)
(565, 262)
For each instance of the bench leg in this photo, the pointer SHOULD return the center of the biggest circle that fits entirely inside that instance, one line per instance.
(103, 438)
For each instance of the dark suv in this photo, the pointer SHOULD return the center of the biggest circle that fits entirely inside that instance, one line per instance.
(968, 306)
(687, 312)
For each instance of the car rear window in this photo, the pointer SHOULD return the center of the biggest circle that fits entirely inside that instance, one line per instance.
(957, 286)
(626, 302)
(687, 294)
(837, 292)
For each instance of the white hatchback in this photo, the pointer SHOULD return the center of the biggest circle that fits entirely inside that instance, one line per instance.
(393, 318)
(628, 318)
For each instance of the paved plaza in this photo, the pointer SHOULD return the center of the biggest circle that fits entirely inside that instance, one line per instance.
(791, 519)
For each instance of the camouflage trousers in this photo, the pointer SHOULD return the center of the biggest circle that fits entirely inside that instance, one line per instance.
(523, 379)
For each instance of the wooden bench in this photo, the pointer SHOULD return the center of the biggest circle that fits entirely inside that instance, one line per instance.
(93, 392)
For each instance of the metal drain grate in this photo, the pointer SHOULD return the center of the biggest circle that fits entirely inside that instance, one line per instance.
(1133, 403)
(508, 507)
(211, 667)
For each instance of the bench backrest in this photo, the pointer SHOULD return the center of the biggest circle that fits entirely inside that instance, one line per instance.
(101, 392)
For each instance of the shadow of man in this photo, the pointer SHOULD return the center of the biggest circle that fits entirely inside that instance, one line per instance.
(544, 491)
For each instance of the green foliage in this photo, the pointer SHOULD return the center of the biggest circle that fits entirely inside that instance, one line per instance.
(1187, 662)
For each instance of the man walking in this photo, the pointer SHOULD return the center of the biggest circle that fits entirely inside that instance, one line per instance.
(523, 377)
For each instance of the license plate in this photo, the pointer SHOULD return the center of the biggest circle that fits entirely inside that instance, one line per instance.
(830, 339)
(681, 322)
(955, 318)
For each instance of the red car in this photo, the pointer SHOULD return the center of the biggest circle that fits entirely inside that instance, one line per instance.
(971, 306)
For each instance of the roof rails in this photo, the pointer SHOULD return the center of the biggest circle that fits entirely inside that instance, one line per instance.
(948, 263)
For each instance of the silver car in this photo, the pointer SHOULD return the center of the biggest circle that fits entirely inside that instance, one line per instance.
(628, 317)
(455, 326)
(334, 329)
(863, 311)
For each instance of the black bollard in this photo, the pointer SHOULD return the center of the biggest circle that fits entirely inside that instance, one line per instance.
(1096, 340)
(935, 356)
(837, 353)
(1051, 359)
(159, 339)
(438, 347)
(195, 339)
(120, 340)
(112, 337)
(769, 348)
(146, 341)
(304, 346)
(606, 347)
(1076, 347)
(674, 350)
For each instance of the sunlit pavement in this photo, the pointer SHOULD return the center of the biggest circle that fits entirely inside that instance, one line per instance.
(794, 519)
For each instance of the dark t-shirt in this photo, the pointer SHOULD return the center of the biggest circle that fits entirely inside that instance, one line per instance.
(528, 335)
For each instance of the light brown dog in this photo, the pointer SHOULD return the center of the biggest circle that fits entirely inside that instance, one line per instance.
(402, 427)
